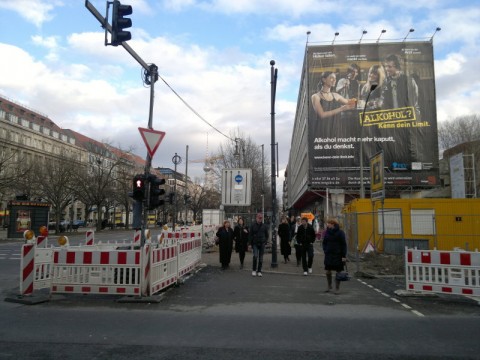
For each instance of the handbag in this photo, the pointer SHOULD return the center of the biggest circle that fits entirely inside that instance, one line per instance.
(293, 242)
(343, 275)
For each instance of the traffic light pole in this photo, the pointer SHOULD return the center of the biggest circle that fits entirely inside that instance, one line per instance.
(153, 74)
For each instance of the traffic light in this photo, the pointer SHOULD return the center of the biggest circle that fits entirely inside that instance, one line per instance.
(137, 215)
(119, 22)
(156, 192)
(171, 197)
(139, 187)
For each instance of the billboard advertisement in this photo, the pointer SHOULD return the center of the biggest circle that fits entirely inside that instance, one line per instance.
(382, 95)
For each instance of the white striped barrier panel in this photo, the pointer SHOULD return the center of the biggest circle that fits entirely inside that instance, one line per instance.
(89, 238)
(163, 266)
(41, 241)
(137, 237)
(27, 267)
(145, 282)
(189, 252)
(96, 272)
(446, 272)
(208, 237)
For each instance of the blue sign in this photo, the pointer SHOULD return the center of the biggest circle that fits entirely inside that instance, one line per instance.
(239, 178)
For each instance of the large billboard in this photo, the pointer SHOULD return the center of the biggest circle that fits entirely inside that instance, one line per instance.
(382, 95)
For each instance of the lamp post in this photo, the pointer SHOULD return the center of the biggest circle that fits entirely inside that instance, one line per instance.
(362, 186)
(273, 86)
(176, 160)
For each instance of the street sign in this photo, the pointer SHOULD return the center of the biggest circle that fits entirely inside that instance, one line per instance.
(237, 187)
(152, 139)
(377, 182)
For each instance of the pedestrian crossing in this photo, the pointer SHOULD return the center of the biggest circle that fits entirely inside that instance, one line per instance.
(6, 254)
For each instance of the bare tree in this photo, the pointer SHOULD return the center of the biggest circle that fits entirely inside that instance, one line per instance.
(13, 169)
(54, 180)
(202, 197)
(95, 185)
(245, 153)
(460, 130)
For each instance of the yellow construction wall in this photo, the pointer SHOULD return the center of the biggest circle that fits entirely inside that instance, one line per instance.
(457, 222)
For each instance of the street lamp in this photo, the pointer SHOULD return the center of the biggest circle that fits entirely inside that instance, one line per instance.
(362, 186)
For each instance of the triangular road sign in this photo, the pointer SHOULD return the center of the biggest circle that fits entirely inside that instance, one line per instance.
(152, 139)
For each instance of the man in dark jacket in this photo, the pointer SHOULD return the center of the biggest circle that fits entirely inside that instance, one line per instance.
(306, 238)
(258, 239)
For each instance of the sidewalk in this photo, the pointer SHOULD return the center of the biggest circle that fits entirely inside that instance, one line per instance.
(211, 258)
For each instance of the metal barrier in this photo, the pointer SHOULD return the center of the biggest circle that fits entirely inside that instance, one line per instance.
(189, 252)
(96, 272)
(446, 272)
(164, 265)
(110, 268)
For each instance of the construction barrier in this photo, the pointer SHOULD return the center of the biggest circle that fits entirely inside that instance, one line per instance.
(96, 272)
(446, 272)
(164, 264)
(89, 238)
(110, 268)
(189, 252)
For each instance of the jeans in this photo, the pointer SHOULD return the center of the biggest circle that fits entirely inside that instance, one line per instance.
(307, 252)
(258, 250)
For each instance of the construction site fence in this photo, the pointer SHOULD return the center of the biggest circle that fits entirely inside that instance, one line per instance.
(110, 268)
(392, 230)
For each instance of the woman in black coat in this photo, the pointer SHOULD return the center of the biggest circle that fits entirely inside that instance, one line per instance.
(284, 234)
(225, 243)
(335, 249)
(240, 235)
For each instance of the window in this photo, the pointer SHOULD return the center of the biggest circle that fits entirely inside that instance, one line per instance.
(423, 221)
(393, 221)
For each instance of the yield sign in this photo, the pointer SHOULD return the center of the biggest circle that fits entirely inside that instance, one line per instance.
(152, 139)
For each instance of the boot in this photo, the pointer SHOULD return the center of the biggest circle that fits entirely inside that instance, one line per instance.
(329, 281)
(337, 287)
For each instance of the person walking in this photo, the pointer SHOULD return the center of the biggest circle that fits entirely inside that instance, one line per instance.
(335, 249)
(241, 239)
(298, 249)
(306, 238)
(284, 234)
(225, 243)
(258, 239)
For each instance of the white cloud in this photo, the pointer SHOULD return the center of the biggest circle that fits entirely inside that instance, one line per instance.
(35, 11)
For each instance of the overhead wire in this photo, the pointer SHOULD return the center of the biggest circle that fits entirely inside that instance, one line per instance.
(144, 78)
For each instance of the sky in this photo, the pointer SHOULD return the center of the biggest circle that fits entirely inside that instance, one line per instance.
(216, 55)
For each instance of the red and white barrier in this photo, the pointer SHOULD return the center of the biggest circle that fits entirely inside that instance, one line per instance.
(41, 241)
(137, 237)
(164, 266)
(96, 272)
(89, 238)
(189, 253)
(110, 268)
(27, 267)
(447, 272)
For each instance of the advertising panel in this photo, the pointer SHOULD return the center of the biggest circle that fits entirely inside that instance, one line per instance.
(382, 95)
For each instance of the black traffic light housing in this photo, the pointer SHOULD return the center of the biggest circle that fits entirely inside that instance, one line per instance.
(120, 22)
(157, 191)
(139, 187)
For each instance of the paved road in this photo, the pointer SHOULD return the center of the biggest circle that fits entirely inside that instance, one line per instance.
(229, 314)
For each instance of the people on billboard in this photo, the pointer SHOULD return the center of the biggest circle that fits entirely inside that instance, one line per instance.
(398, 90)
(348, 86)
(327, 103)
(376, 76)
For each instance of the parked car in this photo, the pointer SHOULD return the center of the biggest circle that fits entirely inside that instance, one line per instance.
(79, 223)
